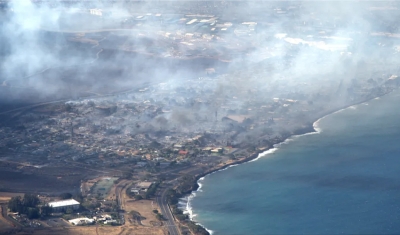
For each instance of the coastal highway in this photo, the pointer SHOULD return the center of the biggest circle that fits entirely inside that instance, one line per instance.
(161, 200)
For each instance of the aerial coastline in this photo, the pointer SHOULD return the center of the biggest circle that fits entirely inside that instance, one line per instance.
(292, 172)
(314, 129)
(127, 113)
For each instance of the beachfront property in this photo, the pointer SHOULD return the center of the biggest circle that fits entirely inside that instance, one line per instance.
(60, 206)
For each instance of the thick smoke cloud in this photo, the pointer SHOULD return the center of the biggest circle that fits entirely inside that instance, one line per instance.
(27, 53)
(300, 50)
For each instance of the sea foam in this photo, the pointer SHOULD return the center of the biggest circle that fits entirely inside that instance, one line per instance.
(186, 206)
(269, 151)
(185, 202)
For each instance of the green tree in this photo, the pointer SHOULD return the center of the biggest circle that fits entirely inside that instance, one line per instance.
(30, 200)
(26, 205)
(33, 213)
(78, 197)
(152, 190)
(46, 210)
(15, 204)
(127, 175)
(69, 211)
(181, 217)
(160, 217)
(66, 196)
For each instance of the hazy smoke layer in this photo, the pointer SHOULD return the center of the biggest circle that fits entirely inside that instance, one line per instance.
(59, 50)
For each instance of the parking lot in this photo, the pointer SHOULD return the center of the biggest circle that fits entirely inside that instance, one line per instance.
(57, 222)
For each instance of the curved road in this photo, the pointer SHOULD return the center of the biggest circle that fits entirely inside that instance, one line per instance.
(166, 212)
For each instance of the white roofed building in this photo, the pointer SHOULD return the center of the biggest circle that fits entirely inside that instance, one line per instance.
(60, 206)
(81, 221)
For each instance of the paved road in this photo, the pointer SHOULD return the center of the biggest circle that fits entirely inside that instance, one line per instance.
(12, 223)
(170, 223)
(119, 191)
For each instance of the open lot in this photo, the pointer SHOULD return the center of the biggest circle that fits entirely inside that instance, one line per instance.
(144, 207)
(57, 222)
(6, 196)
(44, 180)
(92, 230)
(5, 224)
(103, 186)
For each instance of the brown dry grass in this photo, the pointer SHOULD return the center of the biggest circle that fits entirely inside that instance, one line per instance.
(92, 230)
(4, 199)
(130, 230)
(144, 207)
(113, 191)
(6, 196)
(4, 224)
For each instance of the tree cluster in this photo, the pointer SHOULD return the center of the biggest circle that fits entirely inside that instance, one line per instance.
(28, 205)
(66, 196)
(152, 190)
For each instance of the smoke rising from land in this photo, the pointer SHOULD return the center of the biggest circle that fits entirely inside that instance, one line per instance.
(297, 50)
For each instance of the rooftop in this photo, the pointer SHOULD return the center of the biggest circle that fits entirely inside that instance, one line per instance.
(81, 221)
(238, 118)
(144, 184)
(69, 202)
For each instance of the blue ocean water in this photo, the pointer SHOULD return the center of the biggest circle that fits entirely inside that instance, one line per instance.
(343, 180)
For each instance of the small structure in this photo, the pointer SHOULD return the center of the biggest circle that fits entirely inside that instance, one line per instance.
(237, 118)
(60, 206)
(141, 187)
(135, 190)
(103, 218)
(110, 221)
(81, 221)
(144, 185)
(217, 150)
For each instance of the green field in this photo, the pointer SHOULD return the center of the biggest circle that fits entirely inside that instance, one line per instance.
(103, 186)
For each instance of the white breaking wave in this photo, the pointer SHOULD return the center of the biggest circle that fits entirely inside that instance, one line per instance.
(184, 203)
(186, 206)
(269, 151)
(189, 209)
(316, 126)
(208, 230)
